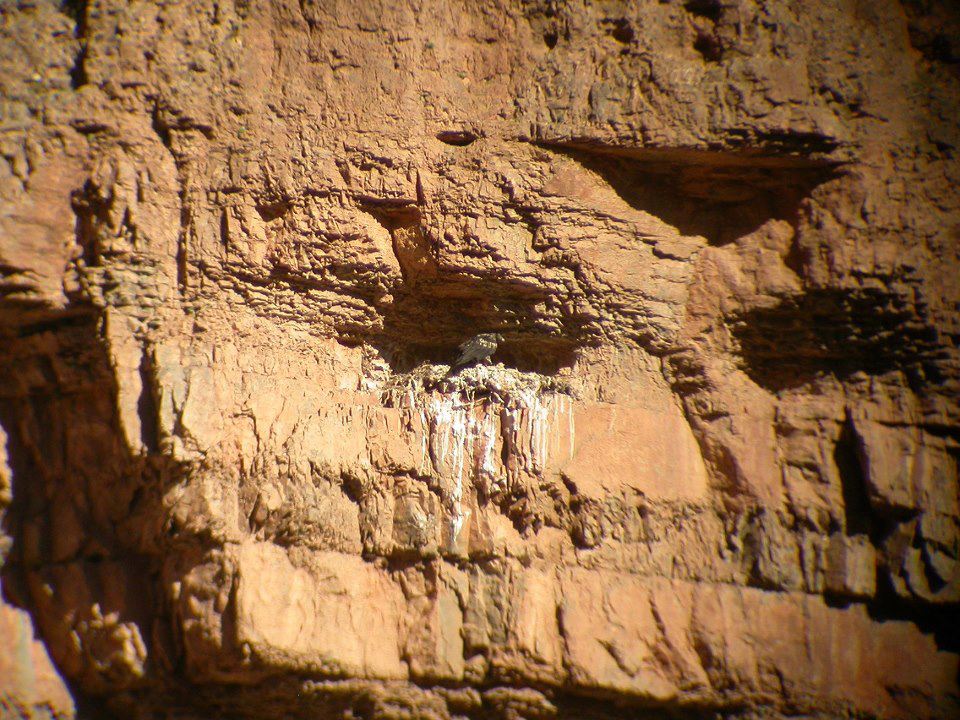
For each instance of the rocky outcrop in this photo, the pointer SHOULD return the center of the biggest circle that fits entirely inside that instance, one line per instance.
(711, 469)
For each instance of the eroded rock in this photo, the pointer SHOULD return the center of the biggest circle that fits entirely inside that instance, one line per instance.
(712, 467)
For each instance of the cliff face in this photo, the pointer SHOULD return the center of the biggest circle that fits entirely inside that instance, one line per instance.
(711, 469)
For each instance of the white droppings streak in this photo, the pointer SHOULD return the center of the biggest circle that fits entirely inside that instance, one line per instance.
(538, 429)
(458, 435)
(452, 433)
(571, 431)
(488, 465)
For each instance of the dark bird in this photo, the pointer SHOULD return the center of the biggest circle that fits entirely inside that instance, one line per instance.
(477, 349)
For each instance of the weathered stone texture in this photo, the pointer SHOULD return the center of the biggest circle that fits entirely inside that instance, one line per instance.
(712, 469)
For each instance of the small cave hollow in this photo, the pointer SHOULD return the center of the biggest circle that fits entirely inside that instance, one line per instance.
(709, 47)
(708, 9)
(720, 196)
(457, 138)
(436, 309)
(270, 211)
(620, 30)
(429, 323)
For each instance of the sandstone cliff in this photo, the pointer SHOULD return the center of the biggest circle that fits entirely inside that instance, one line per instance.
(711, 471)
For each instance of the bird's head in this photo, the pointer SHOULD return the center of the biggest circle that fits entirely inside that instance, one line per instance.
(498, 337)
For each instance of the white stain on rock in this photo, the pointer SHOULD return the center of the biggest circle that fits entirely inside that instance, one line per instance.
(480, 429)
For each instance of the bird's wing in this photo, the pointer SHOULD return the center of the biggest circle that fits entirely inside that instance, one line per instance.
(470, 350)
(467, 354)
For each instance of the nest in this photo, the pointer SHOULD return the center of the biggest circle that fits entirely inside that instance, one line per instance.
(497, 382)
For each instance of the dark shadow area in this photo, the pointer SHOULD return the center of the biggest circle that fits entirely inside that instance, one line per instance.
(437, 308)
(91, 213)
(937, 620)
(620, 30)
(503, 698)
(708, 9)
(270, 211)
(93, 709)
(839, 333)
(83, 503)
(718, 195)
(857, 513)
(459, 138)
(76, 10)
(934, 30)
(429, 322)
(709, 47)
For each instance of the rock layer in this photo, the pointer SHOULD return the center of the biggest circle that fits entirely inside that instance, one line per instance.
(712, 468)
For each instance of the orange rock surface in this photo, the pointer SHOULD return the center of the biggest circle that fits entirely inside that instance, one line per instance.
(711, 470)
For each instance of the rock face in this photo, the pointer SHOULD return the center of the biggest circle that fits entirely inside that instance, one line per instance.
(711, 469)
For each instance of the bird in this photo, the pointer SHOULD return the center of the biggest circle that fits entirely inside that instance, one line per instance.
(479, 348)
